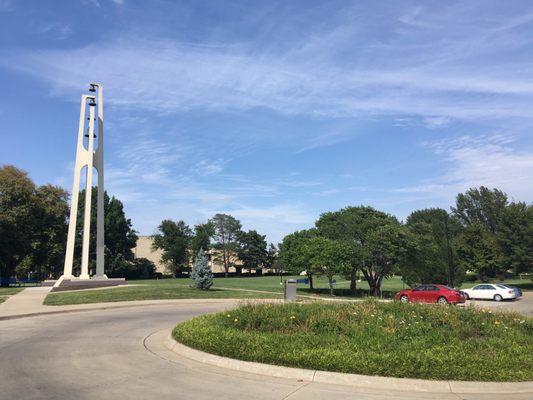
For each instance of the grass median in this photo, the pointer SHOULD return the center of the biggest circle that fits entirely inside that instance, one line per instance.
(371, 338)
(149, 292)
(5, 292)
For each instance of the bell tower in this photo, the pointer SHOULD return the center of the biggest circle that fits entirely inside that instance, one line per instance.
(88, 158)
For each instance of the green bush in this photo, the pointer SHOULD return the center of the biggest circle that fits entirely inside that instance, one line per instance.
(372, 338)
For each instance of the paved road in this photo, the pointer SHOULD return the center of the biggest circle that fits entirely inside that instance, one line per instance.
(104, 355)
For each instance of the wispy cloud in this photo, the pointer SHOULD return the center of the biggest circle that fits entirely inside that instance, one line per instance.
(432, 80)
(489, 160)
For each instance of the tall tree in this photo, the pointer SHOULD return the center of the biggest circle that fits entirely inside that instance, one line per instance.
(50, 235)
(293, 256)
(252, 250)
(328, 257)
(478, 251)
(354, 226)
(272, 261)
(226, 233)
(202, 238)
(385, 247)
(481, 206)
(436, 259)
(423, 261)
(17, 219)
(173, 238)
(515, 236)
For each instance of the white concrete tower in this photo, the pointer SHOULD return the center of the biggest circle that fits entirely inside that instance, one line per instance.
(88, 157)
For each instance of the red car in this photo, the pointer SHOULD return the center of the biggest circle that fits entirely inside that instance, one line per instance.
(431, 294)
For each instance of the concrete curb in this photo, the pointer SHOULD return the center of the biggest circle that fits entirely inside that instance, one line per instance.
(337, 378)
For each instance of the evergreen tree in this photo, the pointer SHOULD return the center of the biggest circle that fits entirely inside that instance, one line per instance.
(201, 272)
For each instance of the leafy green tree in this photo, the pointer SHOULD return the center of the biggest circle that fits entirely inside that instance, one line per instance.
(478, 251)
(272, 261)
(201, 272)
(354, 226)
(515, 236)
(293, 256)
(385, 247)
(423, 261)
(174, 239)
(17, 220)
(481, 206)
(226, 233)
(139, 268)
(202, 238)
(119, 236)
(433, 259)
(32, 226)
(50, 233)
(252, 250)
(328, 257)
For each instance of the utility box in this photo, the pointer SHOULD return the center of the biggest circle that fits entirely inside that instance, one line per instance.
(290, 290)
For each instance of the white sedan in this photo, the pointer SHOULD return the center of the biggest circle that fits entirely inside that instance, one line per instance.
(486, 291)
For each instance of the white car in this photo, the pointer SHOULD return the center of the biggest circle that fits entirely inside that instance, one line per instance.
(489, 291)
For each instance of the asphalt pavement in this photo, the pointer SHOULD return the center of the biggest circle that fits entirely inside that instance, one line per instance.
(110, 354)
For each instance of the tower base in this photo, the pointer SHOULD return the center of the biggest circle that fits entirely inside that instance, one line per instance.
(74, 283)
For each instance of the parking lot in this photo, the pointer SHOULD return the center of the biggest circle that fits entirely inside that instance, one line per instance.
(524, 305)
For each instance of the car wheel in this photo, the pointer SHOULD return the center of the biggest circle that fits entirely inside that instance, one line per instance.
(467, 297)
(442, 300)
(404, 299)
(498, 297)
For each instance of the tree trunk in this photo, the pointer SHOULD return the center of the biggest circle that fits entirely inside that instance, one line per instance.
(310, 277)
(330, 281)
(353, 282)
(226, 263)
(378, 283)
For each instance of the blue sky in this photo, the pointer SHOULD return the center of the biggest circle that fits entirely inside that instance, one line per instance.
(274, 111)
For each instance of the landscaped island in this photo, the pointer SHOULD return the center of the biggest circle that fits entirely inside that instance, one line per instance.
(371, 338)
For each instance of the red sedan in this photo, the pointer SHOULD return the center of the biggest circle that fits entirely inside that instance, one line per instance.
(431, 294)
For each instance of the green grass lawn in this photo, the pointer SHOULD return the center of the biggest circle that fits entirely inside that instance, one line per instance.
(371, 338)
(233, 287)
(5, 292)
(152, 290)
